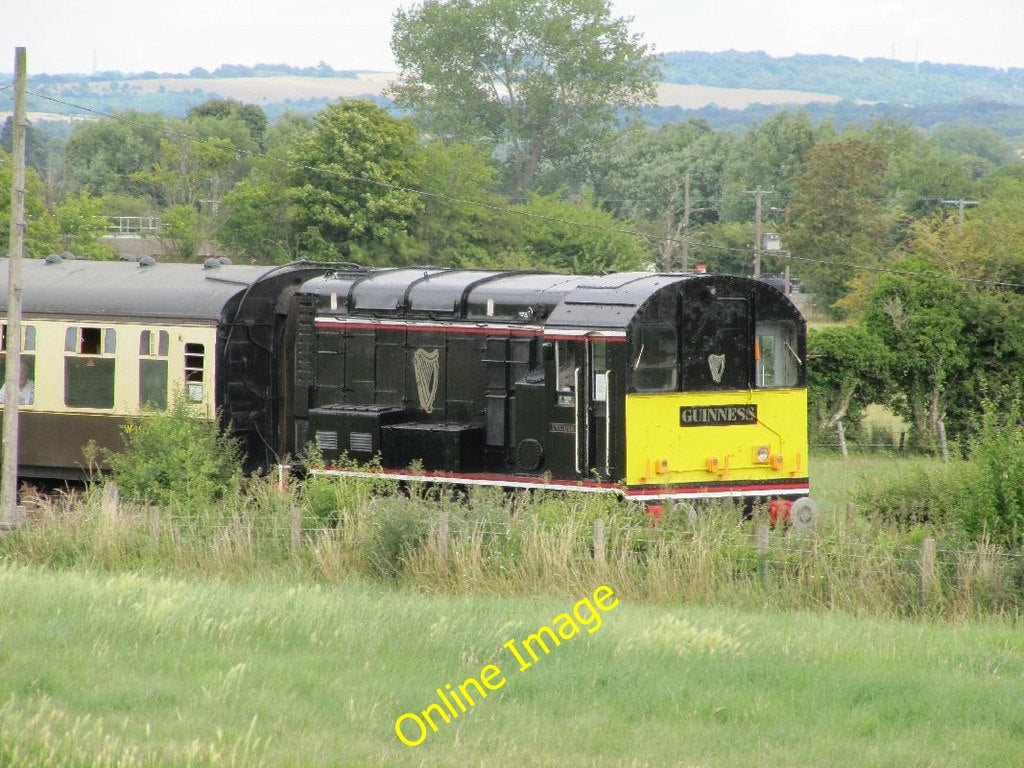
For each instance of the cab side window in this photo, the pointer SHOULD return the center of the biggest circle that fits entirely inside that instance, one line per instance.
(656, 359)
(776, 362)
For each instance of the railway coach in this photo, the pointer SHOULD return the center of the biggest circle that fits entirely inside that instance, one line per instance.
(654, 386)
(104, 341)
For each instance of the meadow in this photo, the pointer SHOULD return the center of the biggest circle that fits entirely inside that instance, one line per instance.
(296, 628)
(121, 669)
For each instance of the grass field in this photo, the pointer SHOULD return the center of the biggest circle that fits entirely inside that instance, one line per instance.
(124, 669)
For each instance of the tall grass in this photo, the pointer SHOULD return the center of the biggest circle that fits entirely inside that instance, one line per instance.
(521, 544)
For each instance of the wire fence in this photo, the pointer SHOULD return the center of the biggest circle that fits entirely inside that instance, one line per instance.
(522, 545)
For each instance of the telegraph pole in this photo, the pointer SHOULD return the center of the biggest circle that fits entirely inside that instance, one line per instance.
(686, 222)
(758, 194)
(12, 380)
(960, 205)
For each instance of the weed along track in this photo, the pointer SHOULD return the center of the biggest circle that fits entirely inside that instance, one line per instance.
(491, 678)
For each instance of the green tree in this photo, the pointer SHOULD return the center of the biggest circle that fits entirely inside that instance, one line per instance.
(107, 156)
(922, 317)
(257, 220)
(254, 118)
(770, 156)
(848, 368)
(82, 225)
(667, 182)
(837, 217)
(542, 79)
(42, 236)
(460, 223)
(352, 184)
(573, 236)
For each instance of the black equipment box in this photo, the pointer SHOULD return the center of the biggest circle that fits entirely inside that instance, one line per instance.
(352, 429)
(437, 445)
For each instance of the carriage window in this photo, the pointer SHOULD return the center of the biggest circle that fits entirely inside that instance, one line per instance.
(776, 360)
(656, 359)
(195, 357)
(89, 367)
(90, 341)
(27, 387)
(153, 346)
(28, 338)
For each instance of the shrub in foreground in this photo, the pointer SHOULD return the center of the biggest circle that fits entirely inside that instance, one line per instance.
(176, 458)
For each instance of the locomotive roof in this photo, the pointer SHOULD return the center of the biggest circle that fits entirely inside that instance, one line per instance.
(609, 301)
(122, 289)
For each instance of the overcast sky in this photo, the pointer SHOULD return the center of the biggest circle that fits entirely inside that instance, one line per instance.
(132, 36)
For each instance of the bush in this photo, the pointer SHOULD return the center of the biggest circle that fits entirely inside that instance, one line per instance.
(398, 526)
(995, 506)
(176, 458)
(919, 494)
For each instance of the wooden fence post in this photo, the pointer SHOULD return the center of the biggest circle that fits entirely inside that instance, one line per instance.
(296, 529)
(761, 540)
(111, 498)
(929, 577)
(154, 523)
(599, 554)
(442, 536)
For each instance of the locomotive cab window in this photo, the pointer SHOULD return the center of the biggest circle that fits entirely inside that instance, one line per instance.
(656, 359)
(566, 365)
(89, 367)
(775, 357)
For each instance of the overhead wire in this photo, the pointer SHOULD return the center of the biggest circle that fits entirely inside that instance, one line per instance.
(690, 242)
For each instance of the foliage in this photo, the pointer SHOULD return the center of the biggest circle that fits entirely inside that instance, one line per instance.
(176, 458)
(81, 223)
(254, 118)
(770, 156)
(543, 78)
(917, 494)
(994, 508)
(182, 235)
(113, 156)
(835, 217)
(42, 236)
(574, 236)
(351, 184)
(848, 368)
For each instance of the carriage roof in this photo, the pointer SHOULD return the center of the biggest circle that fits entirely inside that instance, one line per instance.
(122, 289)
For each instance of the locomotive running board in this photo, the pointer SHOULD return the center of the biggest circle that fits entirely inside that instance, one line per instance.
(800, 487)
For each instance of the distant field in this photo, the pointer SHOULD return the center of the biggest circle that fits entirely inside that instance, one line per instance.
(276, 90)
(100, 669)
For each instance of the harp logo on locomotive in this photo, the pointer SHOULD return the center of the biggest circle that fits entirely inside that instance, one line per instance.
(425, 366)
(717, 365)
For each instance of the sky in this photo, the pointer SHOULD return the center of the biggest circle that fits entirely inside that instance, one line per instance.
(84, 36)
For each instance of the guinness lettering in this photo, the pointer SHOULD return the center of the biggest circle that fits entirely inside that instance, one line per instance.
(716, 415)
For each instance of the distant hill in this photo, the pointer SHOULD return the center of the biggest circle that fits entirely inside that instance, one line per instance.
(876, 80)
(731, 89)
